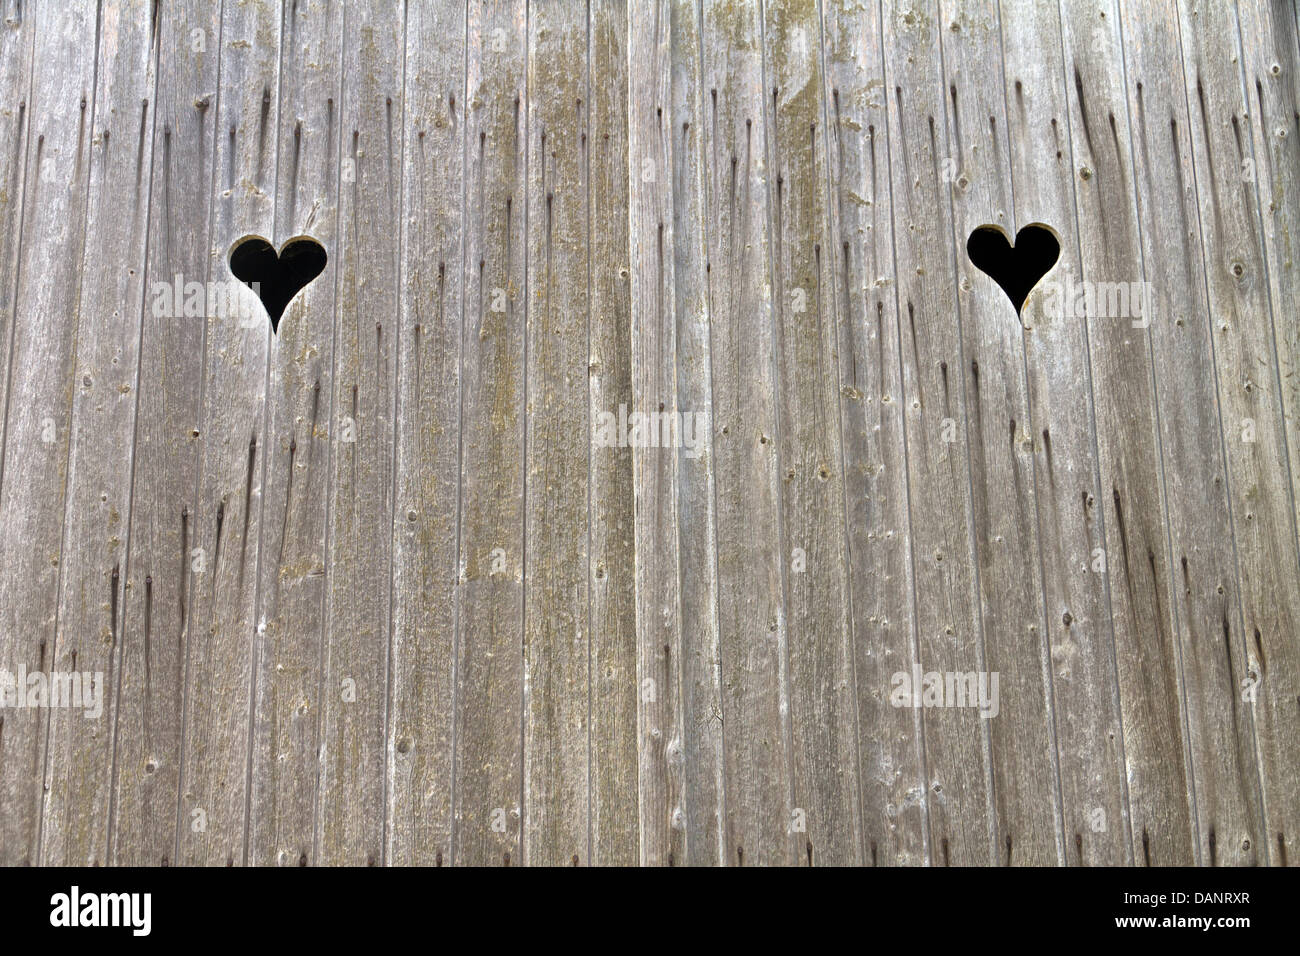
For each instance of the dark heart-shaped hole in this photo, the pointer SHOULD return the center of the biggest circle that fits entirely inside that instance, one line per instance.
(1017, 269)
(277, 278)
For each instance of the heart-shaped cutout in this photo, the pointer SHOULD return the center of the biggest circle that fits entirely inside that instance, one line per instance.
(277, 278)
(1017, 269)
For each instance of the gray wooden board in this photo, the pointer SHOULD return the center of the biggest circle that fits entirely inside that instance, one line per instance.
(350, 823)
(820, 692)
(162, 558)
(1004, 490)
(557, 441)
(290, 624)
(489, 657)
(375, 588)
(1131, 505)
(1085, 692)
(426, 504)
(108, 316)
(218, 666)
(1254, 440)
(614, 820)
(39, 402)
(934, 400)
(756, 756)
(1205, 588)
(878, 539)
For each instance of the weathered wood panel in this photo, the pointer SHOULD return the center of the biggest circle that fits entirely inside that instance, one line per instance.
(756, 751)
(655, 470)
(935, 407)
(164, 566)
(1004, 495)
(216, 730)
(557, 439)
(615, 824)
(350, 823)
(426, 504)
(16, 63)
(39, 401)
(1085, 693)
(1132, 505)
(648, 424)
(1271, 65)
(108, 318)
(290, 614)
(1205, 588)
(489, 658)
(1254, 440)
(892, 787)
(825, 813)
(700, 743)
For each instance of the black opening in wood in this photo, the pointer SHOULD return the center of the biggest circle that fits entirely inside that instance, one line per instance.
(1016, 269)
(277, 278)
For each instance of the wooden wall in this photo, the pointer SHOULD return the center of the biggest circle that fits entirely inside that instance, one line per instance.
(369, 590)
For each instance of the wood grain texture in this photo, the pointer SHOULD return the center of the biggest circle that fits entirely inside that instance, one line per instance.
(218, 672)
(1085, 692)
(162, 568)
(290, 613)
(1206, 592)
(935, 401)
(426, 503)
(557, 442)
(1004, 490)
(655, 470)
(16, 63)
(350, 824)
(39, 402)
(614, 821)
(647, 431)
(108, 318)
(895, 826)
(756, 749)
(819, 691)
(1132, 505)
(1271, 67)
(489, 658)
(1259, 489)
(701, 741)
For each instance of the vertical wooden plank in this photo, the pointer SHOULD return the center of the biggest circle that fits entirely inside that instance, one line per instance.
(655, 469)
(350, 822)
(861, 257)
(218, 660)
(1255, 442)
(16, 68)
(39, 397)
(935, 405)
(108, 316)
(615, 837)
(825, 816)
(489, 666)
(1205, 588)
(291, 585)
(161, 568)
(557, 442)
(701, 736)
(750, 606)
(1132, 499)
(1003, 482)
(428, 440)
(1085, 691)
(1270, 62)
